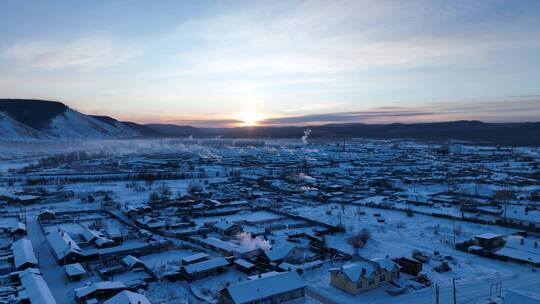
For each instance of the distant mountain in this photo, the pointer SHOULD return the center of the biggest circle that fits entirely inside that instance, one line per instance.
(174, 130)
(22, 119)
(474, 131)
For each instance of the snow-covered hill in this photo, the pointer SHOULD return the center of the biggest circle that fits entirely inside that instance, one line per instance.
(72, 124)
(18, 122)
(11, 129)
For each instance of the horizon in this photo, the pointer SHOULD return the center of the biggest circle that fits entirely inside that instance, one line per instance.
(287, 63)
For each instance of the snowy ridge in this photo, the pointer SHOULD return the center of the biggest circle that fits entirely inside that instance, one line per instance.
(73, 124)
(11, 129)
(68, 125)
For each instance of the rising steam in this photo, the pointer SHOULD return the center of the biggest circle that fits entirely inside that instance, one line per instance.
(306, 135)
(245, 239)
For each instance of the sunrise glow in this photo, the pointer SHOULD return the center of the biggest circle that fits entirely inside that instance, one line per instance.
(249, 118)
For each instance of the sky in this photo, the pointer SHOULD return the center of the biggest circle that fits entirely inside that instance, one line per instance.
(228, 63)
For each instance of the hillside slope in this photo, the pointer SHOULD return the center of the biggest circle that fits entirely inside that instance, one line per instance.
(22, 119)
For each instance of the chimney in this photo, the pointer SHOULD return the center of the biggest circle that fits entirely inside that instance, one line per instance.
(522, 241)
(69, 243)
(535, 244)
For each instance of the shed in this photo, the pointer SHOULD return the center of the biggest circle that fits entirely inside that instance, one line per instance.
(74, 272)
(194, 258)
(205, 268)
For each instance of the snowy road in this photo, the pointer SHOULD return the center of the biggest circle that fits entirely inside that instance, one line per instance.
(52, 272)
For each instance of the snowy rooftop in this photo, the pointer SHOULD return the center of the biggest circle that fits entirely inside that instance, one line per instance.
(62, 243)
(244, 263)
(35, 288)
(488, 236)
(525, 251)
(194, 257)
(88, 289)
(206, 265)
(279, 252)
(74, 269)
(128, 297)
(23, 252)
(131, 261)
(265, 287)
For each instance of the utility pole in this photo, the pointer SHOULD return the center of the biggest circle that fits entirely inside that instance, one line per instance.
(454, 232)
(454, 290)
(437, 291)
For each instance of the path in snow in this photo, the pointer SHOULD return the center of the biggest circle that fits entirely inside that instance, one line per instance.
(52, 272)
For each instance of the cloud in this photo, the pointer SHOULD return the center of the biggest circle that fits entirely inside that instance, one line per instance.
(342, 37)
(84, 53)
(345, 117)
(508, 109)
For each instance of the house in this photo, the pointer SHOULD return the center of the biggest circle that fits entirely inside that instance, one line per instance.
(419, 200)
(523, 216)
(132, 262)
(219, 245)
(35, 289)
(128, 297)
(23, 254)
(281, 253)
(17, 229)
(365, 275)
(409, 266)
(131, 211)
(205, 268)
(247, 252)
(226, 228)
(74, 272)
(520, 250)
(65, 249)
(274, 288)
(95, 237)
(244, 266)
(46, 215)
(99, 290)
(489, 240)
(27, 199)
(151, 222)
(195, 258)
(300, 268)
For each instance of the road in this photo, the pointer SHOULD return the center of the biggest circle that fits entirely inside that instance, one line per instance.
(52, 272)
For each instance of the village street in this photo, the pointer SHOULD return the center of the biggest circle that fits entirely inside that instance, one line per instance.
(52, 272)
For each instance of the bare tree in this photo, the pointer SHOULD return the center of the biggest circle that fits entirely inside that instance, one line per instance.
(359, 240)
(436, 229)
(164, 191)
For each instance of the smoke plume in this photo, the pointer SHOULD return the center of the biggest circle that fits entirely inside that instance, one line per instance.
(245, 239)
(306, 135)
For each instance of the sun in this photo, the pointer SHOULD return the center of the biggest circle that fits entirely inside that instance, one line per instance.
(249, 118)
